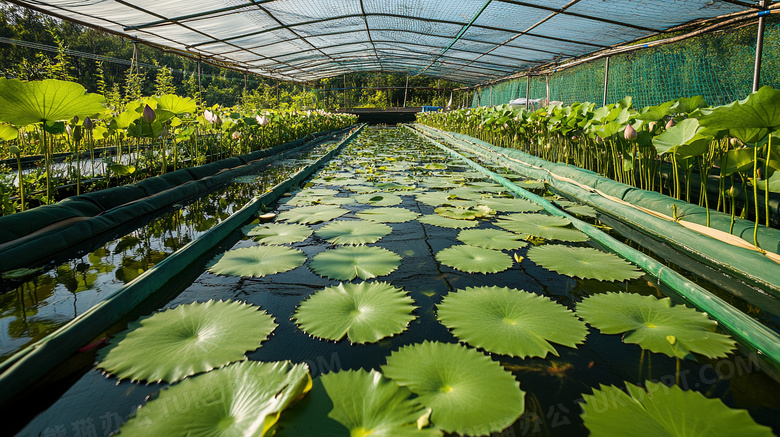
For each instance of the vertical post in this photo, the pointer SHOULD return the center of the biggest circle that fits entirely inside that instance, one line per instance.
(759, 45)
(491, 95)
(344, 92)
(406, 89)
(528, 92)
(606, 81)
(134, 62)
(200, 90)
(547, 84)
(244, 82)
(278, 103)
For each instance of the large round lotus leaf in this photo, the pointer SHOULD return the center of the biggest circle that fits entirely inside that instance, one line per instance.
(658, 410)
(444, 222)
(243, 399)
(387, 215)
(353, 232)
(318, 192)
(542, 226)
(487, 187)
(655, 325)
(189, 339)
(465, 213)
(362, 189)
(467, 392)
(432, 198)
(356, 403)
(23, 103)
(473, 259)
(257, 261)
(379, 199)
(347, 263)
(395, 186)
(312, 214)
(510, 205)
(333, 200)
(279, 233)
(491, 239)
(583, 262)
(510, 322)
(365, 312)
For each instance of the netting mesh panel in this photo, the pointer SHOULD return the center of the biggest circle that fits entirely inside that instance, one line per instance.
(718, 66)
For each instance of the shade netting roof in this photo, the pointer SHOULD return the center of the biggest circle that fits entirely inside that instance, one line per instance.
(469, 41)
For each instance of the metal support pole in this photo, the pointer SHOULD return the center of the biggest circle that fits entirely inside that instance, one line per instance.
(528, 92)
(134, 62)
(344, 92)
(244, 82)
(406, 89)
(606, 81)
(547, 84)
(759, 45)
(491, 95)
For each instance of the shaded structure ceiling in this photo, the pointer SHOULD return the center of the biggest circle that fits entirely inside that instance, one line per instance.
(468, 41)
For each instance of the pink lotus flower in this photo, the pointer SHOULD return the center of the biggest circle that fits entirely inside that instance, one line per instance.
(262, 120)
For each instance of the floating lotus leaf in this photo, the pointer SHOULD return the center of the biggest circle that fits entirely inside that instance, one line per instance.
(310, 215)
(318, 192)
(189, 339)
(394, 186)
(510, 322)
(658, 410)
(444, 222)
(433, 198)
(353, 232)
(583, 262)
(487, 187)
(467, 213)
(333, 200)
(582, 210)
(542, 226)
(347, 263)
(473, 259)
(279, 233)
(247, 179)
(365, 312)
(361, 189)
(379, 199)
(387, 215)
(257, 261)
(435, 166)
(243, 399)
(655, 325)
(510, 205)
(356, 403)
(467, 392)
(491, 239)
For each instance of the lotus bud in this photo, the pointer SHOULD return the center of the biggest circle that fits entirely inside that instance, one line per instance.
(78, 134)
(236, 135)
(208, 115)
(735, 143)
(651, 126)
(630, 133)
(88, 124)
(75, 119)
(15, 150)
(670, 123)
(149, 115)
(68, 129)
(218, 121)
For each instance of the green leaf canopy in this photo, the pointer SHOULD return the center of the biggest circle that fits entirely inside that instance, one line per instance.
(348, 263)
(491, 239)
(655, 325)
(542, 226)
(749, 119)
(354, 232)
(365, 312)
(473, 259)
(279, 233)
(356, 403)
(257, 261)
(659, 410)
(24, 103)
(243, 399)
(583, 262)
(467, 392)
(510, 322)
(189, 339)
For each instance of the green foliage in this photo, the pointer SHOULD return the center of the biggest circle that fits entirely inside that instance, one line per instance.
(491, 239)
(510, 322)
(257, 261)
(542, 226)
(583, 262)
(658, 410)
(230, 402)
(467, 392)
(279, 233)
(387, 215)
(655, 325)
(365, 312)
(24, 103)
(347, 263)
(189, 339)
(473, 259)
(353, 232)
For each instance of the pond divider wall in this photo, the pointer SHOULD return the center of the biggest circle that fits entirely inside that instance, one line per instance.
(747, 331)
(35, 235)
(27, 366)
(650, 212)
